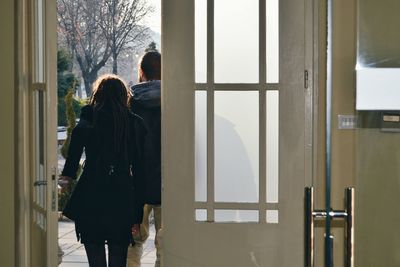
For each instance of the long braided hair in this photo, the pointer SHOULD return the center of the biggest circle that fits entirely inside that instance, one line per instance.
(111, 95)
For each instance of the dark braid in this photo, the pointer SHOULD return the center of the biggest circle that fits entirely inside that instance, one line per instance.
(111, 93)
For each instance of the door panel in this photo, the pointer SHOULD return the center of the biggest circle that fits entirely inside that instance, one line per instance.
(42, 133)
(234, 153)
(378, 191)
(377, 239)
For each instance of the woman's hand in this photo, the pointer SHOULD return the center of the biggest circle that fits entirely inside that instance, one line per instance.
(63, 182)
(135, 229)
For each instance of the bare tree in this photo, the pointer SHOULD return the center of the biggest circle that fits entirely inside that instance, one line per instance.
(123, 26)
(95, 30)
(78, 22)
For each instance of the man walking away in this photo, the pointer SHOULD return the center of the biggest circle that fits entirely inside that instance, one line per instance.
(147, 104)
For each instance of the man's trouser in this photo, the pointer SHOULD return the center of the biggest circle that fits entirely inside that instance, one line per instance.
(135, 252)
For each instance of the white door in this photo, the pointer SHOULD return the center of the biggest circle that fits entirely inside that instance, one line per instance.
(236, 131)
(41, 130)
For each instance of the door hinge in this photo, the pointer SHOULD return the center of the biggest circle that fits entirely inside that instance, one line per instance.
(306, 79)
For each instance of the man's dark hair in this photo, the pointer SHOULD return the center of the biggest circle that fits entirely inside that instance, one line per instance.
(150, 64)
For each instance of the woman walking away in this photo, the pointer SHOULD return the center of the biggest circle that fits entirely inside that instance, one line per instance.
(106, 202)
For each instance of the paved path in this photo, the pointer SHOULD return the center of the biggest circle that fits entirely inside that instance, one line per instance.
(74, 252)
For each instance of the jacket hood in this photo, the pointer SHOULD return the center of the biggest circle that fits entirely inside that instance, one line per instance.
(147, 93)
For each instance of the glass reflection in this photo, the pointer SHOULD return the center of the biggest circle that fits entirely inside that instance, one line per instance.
(378, 34)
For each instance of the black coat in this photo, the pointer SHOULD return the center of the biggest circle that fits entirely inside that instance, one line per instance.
(107, 199)
(147, 104)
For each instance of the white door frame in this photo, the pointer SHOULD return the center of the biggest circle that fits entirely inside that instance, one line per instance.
(25, 128)
(23, 174)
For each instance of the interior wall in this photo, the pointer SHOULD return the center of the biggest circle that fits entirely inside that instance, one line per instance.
(343, 141)
(7, 140)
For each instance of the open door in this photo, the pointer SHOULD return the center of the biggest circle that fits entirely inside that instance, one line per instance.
(41, 131)
(237, 131)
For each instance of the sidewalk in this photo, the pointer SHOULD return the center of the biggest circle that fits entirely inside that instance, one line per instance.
(74, 252)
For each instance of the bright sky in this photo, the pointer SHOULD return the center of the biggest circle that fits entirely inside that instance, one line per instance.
(154, 19)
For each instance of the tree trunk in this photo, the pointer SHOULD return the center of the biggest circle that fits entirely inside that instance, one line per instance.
(115, 64)
(79, 89)
(71, 66)
(88, 80)
(87, 86)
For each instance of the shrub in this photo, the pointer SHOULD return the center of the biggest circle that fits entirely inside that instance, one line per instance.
(70, 117)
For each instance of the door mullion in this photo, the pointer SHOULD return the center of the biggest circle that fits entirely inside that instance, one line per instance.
(262, 109)
(210, 111)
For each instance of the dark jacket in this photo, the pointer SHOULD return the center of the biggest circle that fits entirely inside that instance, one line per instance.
(107, 199)
(147, 104)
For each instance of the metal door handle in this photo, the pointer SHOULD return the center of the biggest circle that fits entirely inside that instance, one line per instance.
(309, 227)
(310, 215)
(349, 233)
(40, 183)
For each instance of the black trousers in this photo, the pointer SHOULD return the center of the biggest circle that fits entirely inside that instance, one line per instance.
(96, 254)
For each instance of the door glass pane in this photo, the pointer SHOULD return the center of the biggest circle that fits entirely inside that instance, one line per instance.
(236, 41)
(236, 146)
(272, 41)
(201, 215)
(377, 137)
(39, 42)
(201, 146)
(272, 146)
(236, 215)
(41, 221)
(272, 216)
(201, 41)
(39, 151)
